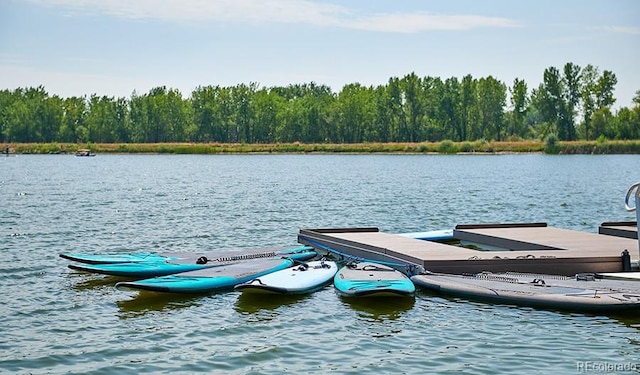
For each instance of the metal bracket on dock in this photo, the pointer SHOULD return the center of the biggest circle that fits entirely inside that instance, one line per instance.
(635, 187)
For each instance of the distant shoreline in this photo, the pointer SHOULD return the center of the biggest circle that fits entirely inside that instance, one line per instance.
(444, 147)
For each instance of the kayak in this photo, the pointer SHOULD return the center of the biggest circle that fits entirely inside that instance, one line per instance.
(299, 279)
(211, 279)
(368, 279)
(582, 293)
(177, 257)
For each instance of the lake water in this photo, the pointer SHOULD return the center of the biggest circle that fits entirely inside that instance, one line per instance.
(55, 320)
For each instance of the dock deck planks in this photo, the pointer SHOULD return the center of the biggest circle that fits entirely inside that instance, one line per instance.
(532, 248)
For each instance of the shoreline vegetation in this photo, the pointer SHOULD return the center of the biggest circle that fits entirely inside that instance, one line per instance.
(451, 115)
(551, 146)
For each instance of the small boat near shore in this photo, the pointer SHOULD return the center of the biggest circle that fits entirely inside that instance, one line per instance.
(85, 152)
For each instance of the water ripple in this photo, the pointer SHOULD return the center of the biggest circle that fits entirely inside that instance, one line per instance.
(56, 320)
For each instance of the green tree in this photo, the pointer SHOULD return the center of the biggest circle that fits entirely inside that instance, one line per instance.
(571, 83)
(356, 115)
(450, 115)
(492, 96)
(601, 121)
(206, 117)
(626, 124)
(17, 118)
(468, 103)
(266, 105)
(412, 93)
(75, 111)
(604, 89)
(242, 96)
(549, 101)
(589, 78)
(519, 105)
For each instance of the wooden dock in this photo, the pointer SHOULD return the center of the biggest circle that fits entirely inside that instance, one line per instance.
(528, 247)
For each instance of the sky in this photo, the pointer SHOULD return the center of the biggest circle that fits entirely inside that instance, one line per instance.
(116, 47)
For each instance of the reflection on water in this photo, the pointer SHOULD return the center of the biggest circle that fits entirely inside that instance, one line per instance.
(248, 303)
(379, 308)
(61, 321)
(145, 302)
(630, 319)
(86, 281)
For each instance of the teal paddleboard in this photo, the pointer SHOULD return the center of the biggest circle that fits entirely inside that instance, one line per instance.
(177, 257)
(369, 279)
(141, 270)
(170, 265)
(116, 258)
(211, 279)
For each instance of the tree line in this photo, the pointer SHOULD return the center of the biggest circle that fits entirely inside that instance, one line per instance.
(570, 104)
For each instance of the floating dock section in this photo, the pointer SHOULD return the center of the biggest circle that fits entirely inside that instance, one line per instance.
(521, 247)
(626, 229)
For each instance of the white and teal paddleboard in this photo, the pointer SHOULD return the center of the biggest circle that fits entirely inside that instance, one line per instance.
(369, 279)
(210, 279)
(582, 293)
(301, 278)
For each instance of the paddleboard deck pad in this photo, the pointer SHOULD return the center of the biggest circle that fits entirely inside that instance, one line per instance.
(368, 279)
(211, 279)
(301, 278)
(582, 293)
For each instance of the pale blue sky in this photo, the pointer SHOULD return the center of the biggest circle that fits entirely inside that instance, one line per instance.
(113, 47)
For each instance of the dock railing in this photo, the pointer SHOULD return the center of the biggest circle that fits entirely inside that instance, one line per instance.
(634, 190)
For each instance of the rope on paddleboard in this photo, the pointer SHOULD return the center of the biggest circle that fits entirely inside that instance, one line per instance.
(205, 260)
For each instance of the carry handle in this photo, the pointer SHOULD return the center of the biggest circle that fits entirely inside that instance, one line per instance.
(635, 187)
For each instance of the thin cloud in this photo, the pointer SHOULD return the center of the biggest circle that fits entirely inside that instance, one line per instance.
(278, 11)
(633, 30)
(416, 22)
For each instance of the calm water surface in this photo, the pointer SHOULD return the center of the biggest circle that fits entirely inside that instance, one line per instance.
(55, 320)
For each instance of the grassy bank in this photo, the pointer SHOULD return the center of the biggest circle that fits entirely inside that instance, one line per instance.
(444, 147)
